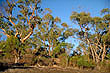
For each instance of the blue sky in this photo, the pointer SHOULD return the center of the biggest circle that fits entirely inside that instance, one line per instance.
(64, 8)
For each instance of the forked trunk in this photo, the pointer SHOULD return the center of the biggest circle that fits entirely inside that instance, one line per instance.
(16, 59)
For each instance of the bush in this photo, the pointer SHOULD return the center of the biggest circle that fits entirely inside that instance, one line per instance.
(43, 61)
(63, 59)
(73, 61)
(104, 66)
(84, 63)
(81, 62)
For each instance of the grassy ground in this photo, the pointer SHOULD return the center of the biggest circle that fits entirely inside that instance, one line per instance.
(49, 70)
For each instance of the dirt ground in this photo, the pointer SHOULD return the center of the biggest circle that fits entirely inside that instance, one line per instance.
(49, 70)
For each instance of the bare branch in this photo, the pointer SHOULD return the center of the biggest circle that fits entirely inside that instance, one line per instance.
(4, 32)
(31, 15)
(22, 40)
(12, 22)
(15, 27)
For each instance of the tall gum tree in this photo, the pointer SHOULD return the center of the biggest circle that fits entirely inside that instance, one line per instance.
(48, 31)
(51, 32)
(18, 19)
(94, 32)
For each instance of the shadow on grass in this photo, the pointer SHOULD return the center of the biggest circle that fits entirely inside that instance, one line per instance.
(5, 66)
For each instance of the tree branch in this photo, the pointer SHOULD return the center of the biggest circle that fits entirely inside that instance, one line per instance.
(26, 37)
(31, 16)
(4, 32)
(31, 32)
(12, 22)
(15, 27)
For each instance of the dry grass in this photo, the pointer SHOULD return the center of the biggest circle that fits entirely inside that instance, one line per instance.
(49, 70)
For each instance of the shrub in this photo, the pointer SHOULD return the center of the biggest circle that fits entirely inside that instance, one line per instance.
(84, 63)
(73, 61)
(81, 62)
(63, 59)
(104, 66)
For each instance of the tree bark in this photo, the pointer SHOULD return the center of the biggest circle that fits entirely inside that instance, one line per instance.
(49, 51)
(93, 55)
(92, 50)
(104, 52)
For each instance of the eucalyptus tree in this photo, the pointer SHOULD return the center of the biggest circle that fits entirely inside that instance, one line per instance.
(94, 32)
(51, 32)
(18, 19)
(48, 31)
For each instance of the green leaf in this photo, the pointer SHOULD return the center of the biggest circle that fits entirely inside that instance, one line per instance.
(21, 6)
(20, 1)
(64, 25)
